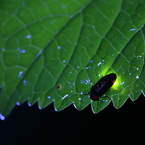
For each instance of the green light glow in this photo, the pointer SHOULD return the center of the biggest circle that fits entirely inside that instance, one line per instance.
(117, 83)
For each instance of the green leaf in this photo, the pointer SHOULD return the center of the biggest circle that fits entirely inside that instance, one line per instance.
(54, 51)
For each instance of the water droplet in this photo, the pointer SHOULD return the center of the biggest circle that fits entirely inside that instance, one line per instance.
(20, 50)
(78, 66)
(99, 75)
(58, 47)
(20, 74)
(18, 104)
(64, 96)
(40, 107)
(73, 83)
(38, 54)
(79, 98)
(49, 97)
(104, 100)
(3, 49)
(28, 36)
(129, 95)
(85, 81)
(137, 77)
(122, 83)
(90, 61)
(139, 56)
(29, 104)
(70, 72)
(99, 63)
(87, 67)
(132, 29)
(24, 82)
(64, 61)
(137, 68)
(2, 117)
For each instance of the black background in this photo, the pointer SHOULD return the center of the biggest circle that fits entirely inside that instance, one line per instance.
(29, 125)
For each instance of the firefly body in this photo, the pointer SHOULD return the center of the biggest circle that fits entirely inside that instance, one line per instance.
(102, 86)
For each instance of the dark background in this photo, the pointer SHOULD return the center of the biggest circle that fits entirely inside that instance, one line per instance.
(29, 125)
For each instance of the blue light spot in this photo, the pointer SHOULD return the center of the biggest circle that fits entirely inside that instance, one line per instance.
(99, 63)
(22, 51)
(2, 117)
(58, 47)
(64, 96)
(20, 74)
(122, 83)
(87, 67)
(64, 61)
(29, 104)
(38, 54)
(28, 36)
(132, 29)
(49, 97)
(18, 104)
(24, 82)
(90, 61)
(139, 56)
(85, 81)
(3, 49)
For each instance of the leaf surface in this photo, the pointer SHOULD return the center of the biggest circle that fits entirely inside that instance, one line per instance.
(54, 51)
